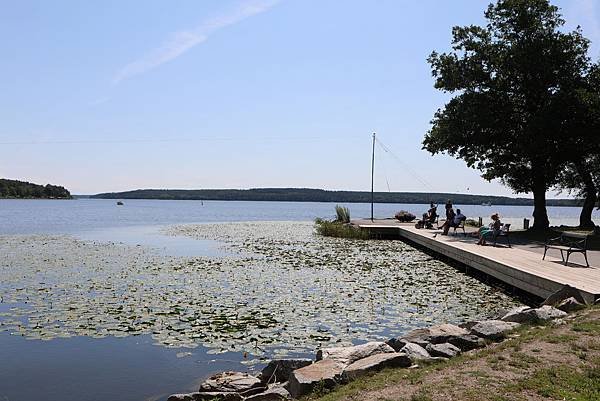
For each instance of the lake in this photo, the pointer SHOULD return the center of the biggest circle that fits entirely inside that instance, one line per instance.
(139, 301)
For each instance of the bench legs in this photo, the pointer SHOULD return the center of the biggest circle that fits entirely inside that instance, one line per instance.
(562, 256)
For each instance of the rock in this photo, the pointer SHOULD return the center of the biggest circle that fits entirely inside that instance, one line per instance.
(275, 392)
(206, 396)
(468, 325)
(516, 315)
(493, 329)
(565, 292)
(230, 382)
(396, 343)
(279, 370)
(415, 351)
(348, 355)
(532, 316)
(438, 334)
(377, 362)
(570, 305)
(467, 342)
(546, 313)
(445, 350)
(326, 372)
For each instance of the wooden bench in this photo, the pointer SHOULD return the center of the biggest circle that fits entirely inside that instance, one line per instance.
(569, 243)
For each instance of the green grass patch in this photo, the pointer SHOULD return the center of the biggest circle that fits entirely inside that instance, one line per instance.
(563, 383)
(560, 338)
(592, 327)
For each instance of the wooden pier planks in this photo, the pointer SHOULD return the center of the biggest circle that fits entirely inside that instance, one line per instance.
(518, 267)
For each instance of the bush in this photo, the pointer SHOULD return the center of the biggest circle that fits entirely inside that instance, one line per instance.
(472, 223)
(405, 216)
(342, 213)
(339, 230)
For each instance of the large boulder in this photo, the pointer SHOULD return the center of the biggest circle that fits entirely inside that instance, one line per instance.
(236, 382)
(279, 370)
(438, 334)
(326, 372)
(206, 396)
(375, 363)
(415, 352)
(493, 329)
(570, 305)
(546, 313)
(531, 316)
(467, 342)
(348, 355)
(445, 350)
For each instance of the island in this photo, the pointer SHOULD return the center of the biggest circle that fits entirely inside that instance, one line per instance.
(321, 195)
(27, 190)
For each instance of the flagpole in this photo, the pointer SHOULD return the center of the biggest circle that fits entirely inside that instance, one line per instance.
(372, 175)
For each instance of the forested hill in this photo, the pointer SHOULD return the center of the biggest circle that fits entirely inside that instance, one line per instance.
(22, 189)
(320, 195)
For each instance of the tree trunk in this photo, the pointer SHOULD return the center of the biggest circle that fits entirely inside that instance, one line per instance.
(540, 214)
(589, 190)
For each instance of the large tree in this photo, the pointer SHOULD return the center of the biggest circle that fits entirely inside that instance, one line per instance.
(581, 124)
(509, 78)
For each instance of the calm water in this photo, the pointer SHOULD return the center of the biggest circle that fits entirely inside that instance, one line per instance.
(77, 216)
(133, 368)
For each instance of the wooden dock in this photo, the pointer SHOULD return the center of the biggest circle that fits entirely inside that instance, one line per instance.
(519, 268)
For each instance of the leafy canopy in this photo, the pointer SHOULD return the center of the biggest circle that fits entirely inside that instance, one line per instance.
(512, 80)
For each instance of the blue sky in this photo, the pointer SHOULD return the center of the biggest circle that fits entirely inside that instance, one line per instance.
(115, 95)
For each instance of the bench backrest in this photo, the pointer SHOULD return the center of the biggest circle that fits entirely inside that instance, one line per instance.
(574, 240)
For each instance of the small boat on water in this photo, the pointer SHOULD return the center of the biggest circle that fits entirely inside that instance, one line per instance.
(486, 204)
(119, 203)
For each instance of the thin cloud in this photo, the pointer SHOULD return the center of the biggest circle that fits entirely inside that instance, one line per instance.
(180, 42)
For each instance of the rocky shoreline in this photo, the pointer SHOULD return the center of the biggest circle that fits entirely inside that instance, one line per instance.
(286, 379)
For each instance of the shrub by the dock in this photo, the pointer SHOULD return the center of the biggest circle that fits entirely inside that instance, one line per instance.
(405, 216)
(342, 213)
(339, 230)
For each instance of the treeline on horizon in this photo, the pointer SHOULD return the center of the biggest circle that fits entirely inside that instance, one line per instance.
(321, 195)
(23, 189)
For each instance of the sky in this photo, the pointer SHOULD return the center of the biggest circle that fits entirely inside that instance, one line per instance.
(119, 95)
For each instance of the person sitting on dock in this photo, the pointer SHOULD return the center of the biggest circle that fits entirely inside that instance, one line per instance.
(459, 218)
(492, 229)
(449, 217)
(429, 217)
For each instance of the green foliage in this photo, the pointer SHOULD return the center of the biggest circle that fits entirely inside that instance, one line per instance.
(342, 213)
(339, 230)
(514, 80)
(471, 222)
(21, 189)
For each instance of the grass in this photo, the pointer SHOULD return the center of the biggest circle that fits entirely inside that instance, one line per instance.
(587, 327)
(563, 383)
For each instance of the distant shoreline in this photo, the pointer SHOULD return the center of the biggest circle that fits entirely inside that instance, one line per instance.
(320, 195)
